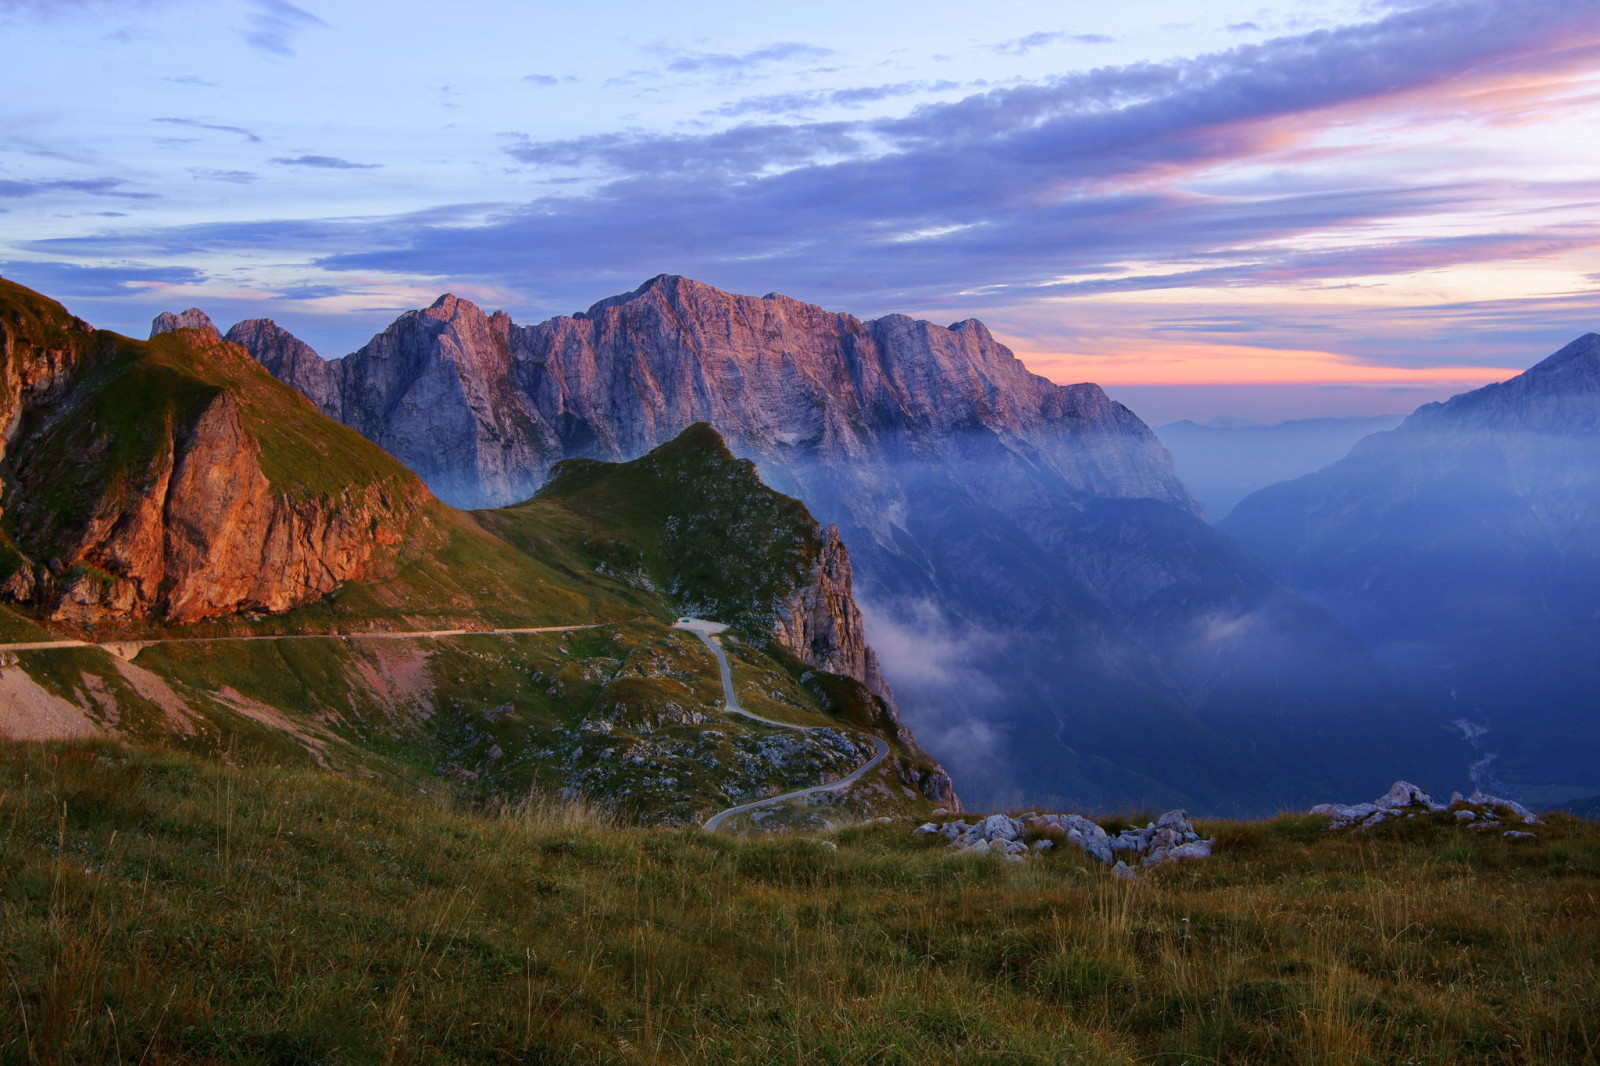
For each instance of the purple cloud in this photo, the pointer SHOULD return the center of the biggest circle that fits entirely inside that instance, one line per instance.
(323, 162)
(790, 103)
(16, 190)
(682, 62)
(1022, 190)
(249, 135)
(1024, 45)
(274, 25)
(68, 279)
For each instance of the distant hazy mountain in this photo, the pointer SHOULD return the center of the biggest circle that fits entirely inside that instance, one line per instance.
(1466, 545)
(1056, 616)
(1226, 459)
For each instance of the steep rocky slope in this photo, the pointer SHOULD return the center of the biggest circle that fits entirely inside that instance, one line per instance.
(1466, 545)
(244, 571)
(1053, 588)
(692, 522)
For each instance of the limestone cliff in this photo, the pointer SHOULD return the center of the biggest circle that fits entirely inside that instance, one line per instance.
(172, 480)
(821, 624)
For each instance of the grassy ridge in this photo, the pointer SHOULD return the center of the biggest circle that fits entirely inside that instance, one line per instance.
(687, 520)
(165, 909)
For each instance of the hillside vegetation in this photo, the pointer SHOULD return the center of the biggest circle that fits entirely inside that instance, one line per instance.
(160, 908)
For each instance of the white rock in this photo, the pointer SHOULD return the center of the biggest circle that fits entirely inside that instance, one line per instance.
(999, 827)
(1513, 806)
(1195, 849)
(1404, 794)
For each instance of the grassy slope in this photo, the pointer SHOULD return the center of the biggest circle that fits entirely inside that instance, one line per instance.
(160, 908)
(687, 519)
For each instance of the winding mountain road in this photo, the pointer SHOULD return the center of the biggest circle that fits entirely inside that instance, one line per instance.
(706, 630)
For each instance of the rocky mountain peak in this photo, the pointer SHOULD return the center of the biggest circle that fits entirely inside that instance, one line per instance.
(194, 318)
(1555, 395)
(449, 306)
(291, 360)
(1577, 364)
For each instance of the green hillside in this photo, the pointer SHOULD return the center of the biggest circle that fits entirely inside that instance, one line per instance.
(688, 521)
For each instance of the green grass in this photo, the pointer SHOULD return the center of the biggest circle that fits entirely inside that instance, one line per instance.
(163, 909)
(687, 522)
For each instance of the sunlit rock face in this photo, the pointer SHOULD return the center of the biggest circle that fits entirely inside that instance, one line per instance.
(139, 477)
(1465, 544)
(1065, 626)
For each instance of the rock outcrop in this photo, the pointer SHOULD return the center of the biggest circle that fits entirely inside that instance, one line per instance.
(194, 318)
(1170, 837)
(1405, 800)
(821, 624)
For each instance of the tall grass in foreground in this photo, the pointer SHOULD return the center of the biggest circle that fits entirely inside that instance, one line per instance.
(157, 909)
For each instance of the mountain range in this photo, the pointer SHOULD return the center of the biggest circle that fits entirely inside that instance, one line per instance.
(1465, 546)
(1224, 460)
(1060, 622)
(191, 553)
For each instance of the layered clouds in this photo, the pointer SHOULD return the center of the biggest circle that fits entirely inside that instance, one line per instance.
(1333, 198)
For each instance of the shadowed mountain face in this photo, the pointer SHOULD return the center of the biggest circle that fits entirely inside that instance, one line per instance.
(1058, 619)
(1466, 545)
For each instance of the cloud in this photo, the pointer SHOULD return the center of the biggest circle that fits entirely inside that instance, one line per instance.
(323, 162)
(541, 80)
(1024, 45)
(274, 25)
(190, 79)
(16, 190)
(857, 96)
(249, 135)
(66, 8)
(68, 279)
(679, 61)
(309, 292)
(235, 177)
(741, 150)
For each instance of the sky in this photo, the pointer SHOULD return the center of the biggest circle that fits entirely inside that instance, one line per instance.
(1271, 211)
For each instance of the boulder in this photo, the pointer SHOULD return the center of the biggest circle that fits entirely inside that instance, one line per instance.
(1484, 800)
(1405, 794)
(999, 827)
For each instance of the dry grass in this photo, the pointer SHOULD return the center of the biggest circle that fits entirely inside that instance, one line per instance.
(162, 909)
